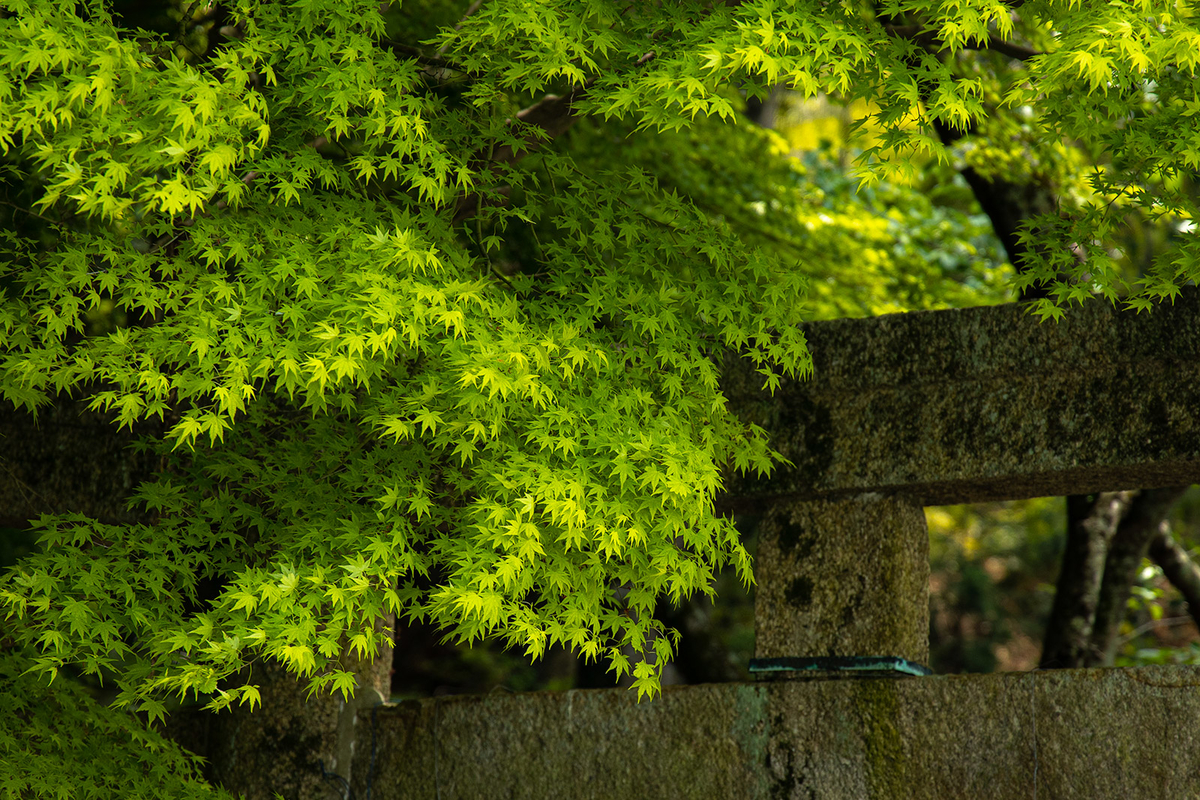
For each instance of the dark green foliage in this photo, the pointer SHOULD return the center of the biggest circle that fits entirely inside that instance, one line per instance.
(56, 741)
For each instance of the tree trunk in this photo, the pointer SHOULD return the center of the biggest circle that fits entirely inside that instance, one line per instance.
(1091, 522)
(1145, 518)
(763, 111)
(1090, 599)
(1008, 205)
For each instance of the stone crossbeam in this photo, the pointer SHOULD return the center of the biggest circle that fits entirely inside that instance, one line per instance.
(985, 404)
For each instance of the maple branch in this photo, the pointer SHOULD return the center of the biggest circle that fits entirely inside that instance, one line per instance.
(553, 116)
(1013, 51)
(22, 209)
(418, 55)
(930, 41)
(470, 10)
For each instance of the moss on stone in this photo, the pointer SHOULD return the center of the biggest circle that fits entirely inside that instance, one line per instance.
(1091, 733)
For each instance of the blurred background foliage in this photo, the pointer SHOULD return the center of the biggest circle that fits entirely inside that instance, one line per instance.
(994, 566)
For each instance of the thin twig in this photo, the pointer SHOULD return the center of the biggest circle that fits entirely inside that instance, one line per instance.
(1169, 622)
(471, 9)
(30, 213)
(24, 488)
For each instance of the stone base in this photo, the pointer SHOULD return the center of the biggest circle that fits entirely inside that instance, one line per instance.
(1099, 733)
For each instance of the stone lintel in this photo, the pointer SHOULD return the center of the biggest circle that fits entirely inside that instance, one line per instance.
(977, 404)
(1124, 733)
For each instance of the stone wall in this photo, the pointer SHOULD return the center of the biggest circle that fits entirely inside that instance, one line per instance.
(978, 404)
(1088, 734)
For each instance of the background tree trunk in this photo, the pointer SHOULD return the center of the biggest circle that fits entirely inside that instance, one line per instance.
(1094, 584)
(1144, 518)
(764, 111)
(1091, 522)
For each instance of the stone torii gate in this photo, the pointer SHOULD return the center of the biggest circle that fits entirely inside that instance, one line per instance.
(905, 411)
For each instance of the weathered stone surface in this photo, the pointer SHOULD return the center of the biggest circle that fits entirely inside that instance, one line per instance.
(987, 403)
(69, 459)
(843, 577)
(577, 744)
(1064, 734)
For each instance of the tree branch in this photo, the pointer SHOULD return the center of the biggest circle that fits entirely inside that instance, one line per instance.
(471, 9)
(24, 210)
(553, 115)
(930, 41)
(1179, 568)
(1145, 518)
(1014, 51)
(418, 55)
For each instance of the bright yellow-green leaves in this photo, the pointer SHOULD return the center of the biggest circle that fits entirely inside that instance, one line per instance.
(354, 402)
(113, 130)
(398, 377)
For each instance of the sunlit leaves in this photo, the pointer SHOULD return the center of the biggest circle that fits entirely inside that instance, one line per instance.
(514, 426)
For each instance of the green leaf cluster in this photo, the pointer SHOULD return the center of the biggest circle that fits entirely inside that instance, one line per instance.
(58, 742)
(420, 347)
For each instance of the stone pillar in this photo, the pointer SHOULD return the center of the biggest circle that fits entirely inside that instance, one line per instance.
(295, 746)
(843, 577)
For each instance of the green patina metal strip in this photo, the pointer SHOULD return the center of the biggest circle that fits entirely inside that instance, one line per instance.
(866, 666)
